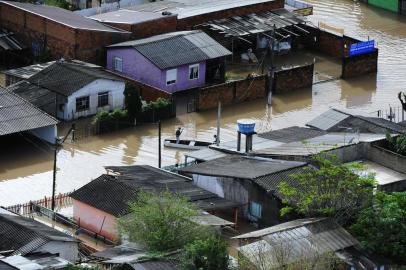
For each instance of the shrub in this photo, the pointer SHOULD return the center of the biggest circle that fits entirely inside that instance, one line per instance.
(397, 143)
(206, 254)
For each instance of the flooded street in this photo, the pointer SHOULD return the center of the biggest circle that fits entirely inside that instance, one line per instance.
(26, 170)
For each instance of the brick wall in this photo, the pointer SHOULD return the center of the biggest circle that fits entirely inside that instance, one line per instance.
(291, 79)
(232, 92)
(189, 22)
(61, 40)
(360, 65)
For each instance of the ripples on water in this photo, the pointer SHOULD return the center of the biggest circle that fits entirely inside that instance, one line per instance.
(27, 174)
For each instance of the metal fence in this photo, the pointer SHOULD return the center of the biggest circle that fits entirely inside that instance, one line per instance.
(394, 114)
(25, 209)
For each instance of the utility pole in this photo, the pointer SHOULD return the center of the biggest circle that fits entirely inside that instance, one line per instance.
(54, 175)
(218, 123)
(271, 69)
(159, 144)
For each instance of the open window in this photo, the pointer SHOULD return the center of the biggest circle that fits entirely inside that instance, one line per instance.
(171, 75)
(194, 72)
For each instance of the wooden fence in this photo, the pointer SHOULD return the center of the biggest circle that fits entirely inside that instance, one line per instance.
(61, 200)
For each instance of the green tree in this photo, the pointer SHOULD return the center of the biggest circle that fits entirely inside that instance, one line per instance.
(161, 222)
(133, 103)
(381, 229)
(331, 189)
(397, 143)
(206, 254)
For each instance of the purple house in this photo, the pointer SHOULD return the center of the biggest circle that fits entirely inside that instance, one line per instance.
(171, 62)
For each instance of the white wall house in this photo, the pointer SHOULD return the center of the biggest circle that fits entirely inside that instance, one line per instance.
(97, 96)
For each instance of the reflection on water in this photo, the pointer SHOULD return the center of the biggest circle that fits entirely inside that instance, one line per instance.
(26, 169)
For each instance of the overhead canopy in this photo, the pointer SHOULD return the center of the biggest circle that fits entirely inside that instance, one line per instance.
(254, 23)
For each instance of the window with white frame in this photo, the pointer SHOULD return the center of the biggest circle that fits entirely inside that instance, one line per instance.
(82, 104)
(118, 64)
(103, 99)
(194, 72)
(171, 75)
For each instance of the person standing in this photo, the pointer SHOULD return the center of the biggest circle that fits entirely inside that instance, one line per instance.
(178, 133)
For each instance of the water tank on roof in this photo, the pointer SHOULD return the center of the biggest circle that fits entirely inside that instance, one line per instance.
(246, 126)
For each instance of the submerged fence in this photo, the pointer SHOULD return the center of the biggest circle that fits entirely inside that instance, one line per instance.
(61, 200)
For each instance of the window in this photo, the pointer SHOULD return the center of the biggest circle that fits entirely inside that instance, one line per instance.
(82, 104)
(118, 64)
(255, 210)
(171, 75)
(103, 99)
(194, 72)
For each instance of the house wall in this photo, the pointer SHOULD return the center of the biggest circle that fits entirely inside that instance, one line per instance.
(360, 64)
(232, 92)
(244, 192)
(66, 250)
(137, 67)
(116, 98)
(92, 218)
(61, 40)
(291, 79)
(47, 134)
(391, 5)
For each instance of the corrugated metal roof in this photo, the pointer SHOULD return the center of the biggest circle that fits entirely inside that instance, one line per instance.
(205, 154)
(28, 71)
(17, 114)
(67, 77)
(236, 166)
(298, 240)
(113, 193)
(63, 16)
(328, 119)
(178, 48)
(24, 235)
(291, 134)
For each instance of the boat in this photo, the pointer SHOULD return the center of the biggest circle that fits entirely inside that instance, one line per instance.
(186, 144)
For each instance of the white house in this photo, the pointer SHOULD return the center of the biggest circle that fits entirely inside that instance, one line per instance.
(72, 89)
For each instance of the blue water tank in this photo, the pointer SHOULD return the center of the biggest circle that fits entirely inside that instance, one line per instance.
(246, 126)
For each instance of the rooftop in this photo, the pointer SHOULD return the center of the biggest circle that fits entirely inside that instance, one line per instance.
(241, 167)
(24, 235)
(315, 145)
(177, 48)
(191, 8)
(291, 134)
(63, 16)
(112, 193)
(28, 71)
(66, 77)
(127, 16)
(17, 114)
(338, 120)
(299, 239)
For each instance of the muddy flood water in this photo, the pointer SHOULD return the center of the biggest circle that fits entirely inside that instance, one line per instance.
(26, 166)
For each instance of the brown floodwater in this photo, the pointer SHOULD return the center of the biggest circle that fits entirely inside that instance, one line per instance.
(26, 165)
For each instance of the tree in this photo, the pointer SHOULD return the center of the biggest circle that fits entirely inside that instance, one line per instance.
(381, 229)
(161, 222)
(332, 189)
(206, 254)
(397, 143)
(133, 102)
